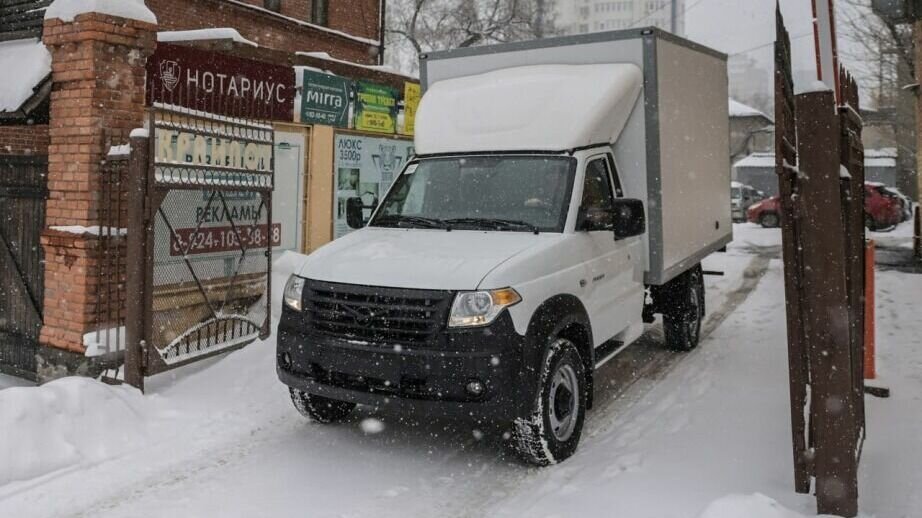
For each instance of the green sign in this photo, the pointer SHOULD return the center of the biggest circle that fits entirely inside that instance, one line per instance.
(325, 99)
(375, 108)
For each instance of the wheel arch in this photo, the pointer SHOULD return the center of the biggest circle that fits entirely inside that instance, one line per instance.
(561, 316)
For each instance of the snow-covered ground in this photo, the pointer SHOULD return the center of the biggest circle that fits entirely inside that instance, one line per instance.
(705, 434)
(7, 381)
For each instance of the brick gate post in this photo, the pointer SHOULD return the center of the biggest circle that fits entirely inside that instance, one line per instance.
(98, 72)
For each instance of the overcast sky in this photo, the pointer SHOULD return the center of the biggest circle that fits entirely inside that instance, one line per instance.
(739, 26)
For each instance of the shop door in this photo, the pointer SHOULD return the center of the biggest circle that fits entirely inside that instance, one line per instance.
(288, 200)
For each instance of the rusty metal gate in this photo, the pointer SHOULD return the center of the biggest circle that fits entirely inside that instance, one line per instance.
(819, 161)
(23, 192)
(204, 216)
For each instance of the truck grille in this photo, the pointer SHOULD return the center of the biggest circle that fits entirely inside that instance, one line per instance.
(373, 314)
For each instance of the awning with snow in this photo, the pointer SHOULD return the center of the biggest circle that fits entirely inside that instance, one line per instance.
(27, 90)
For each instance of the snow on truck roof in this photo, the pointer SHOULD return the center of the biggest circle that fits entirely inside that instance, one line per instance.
(529, 108)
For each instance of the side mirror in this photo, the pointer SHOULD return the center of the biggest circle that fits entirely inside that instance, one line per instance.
(594, 220)
(629, 218)
(354, 217)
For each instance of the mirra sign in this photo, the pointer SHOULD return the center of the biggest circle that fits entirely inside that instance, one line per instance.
(218, 83)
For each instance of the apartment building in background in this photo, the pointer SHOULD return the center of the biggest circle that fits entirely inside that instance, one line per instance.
(585, 16)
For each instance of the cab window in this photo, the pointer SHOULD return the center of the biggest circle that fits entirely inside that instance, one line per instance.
(598, 197)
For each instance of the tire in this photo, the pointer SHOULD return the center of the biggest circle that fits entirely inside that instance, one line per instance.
(552, 433)
(320, 409)
(770, 220)
(682, 319)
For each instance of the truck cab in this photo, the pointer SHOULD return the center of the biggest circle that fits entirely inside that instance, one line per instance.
(509, 259)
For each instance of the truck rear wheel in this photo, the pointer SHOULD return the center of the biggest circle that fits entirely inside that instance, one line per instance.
(552, 433)
(682, 318)
(320, 409)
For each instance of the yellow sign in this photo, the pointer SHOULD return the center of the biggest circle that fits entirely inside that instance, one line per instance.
(381, 122)
(411, 95)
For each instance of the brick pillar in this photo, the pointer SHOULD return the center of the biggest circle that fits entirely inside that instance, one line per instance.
(98, 69)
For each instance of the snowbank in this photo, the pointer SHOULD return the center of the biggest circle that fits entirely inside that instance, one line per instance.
(68, 423)
(748, 506)
(31, 62)
(67, 10)
(74, 422)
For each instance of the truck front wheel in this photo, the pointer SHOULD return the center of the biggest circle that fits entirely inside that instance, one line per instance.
(552, 433)
(320, 409)
(682, 318)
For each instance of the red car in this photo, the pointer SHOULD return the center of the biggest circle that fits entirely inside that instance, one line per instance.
(881, 210)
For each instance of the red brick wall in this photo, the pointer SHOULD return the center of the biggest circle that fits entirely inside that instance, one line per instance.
(276, 32)
(98, 69)
(359, 17)
(300, 9)
(24, 140)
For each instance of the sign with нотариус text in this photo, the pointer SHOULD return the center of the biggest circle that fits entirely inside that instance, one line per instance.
(325, 99)
(218, 83)
(375, 108)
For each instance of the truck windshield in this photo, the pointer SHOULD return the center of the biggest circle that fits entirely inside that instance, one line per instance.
(502, 193)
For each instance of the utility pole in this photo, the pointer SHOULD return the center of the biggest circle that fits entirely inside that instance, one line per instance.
(917, 40)
(675, 17)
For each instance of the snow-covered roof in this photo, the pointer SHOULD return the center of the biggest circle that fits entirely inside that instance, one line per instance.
(30, 62)
(220, 33)
(885, 152)
(738, 109)
(529, 108)
(67, 10)
(879, 162)
(757, 160)
(871, 159)
(379, 68)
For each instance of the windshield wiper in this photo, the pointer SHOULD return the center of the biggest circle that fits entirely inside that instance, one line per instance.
(416, 221)
(494, 223)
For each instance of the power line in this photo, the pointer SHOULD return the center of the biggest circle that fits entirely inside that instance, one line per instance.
(769, 44)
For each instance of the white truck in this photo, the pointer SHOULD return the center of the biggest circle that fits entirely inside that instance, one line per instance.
(563, 192)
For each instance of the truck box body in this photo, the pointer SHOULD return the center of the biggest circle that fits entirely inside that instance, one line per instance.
(672, 148)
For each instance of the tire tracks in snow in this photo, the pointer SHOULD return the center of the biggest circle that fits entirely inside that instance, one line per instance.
(620, 385)
(624, 381)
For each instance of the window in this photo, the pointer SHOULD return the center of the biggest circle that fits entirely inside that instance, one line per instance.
(511, 193)
(596, 209)
(273, 5)
(597, 191)
(319, 12)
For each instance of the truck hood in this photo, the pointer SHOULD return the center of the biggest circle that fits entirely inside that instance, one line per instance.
(418, 258)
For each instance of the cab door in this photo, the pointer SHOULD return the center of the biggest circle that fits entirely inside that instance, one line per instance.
(614, 290)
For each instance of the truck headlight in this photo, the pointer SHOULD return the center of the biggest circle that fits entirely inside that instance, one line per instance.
(292, 294)
(479, 308)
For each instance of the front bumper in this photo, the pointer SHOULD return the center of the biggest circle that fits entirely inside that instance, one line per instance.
(406, 378)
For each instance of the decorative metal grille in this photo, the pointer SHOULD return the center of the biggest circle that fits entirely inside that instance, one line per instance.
(212, 179)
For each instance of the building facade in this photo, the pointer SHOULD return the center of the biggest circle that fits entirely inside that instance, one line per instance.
(86, 81)
(751, 131)
(749, 83)
(585, 16)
